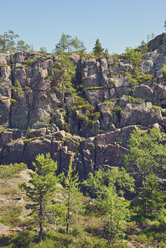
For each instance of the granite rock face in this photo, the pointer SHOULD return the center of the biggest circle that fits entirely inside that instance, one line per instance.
(93, 129)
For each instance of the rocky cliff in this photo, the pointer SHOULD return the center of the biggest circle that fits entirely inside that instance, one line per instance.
(114, 96)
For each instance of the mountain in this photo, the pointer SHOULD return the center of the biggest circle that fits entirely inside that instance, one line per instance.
(114, 95)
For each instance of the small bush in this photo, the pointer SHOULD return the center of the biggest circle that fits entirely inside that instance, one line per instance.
(2, 129)
(12, 101)
(156, 107)
(22, 240)
(26, 141)
(135, 100)
(94, 88)
(117, 109)
(147, 78)
(8, 171)
(163, 70)
(108, 102)
(30, 61)
(112, 81)
(18, 89)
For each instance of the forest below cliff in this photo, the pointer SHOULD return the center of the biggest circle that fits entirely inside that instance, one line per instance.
(97, 120)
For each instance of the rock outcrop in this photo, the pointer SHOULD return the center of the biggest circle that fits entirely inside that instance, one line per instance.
(95, 127)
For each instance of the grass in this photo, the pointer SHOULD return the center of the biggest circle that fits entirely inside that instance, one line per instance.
(9, 171)
(8, 191)
(9, 215)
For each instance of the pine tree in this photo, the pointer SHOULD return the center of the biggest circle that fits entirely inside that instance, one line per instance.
(118, 213)
(77, 44)
(64, 43)
(63, 72)
(22, 46)
(98, 50)
(152, 197)
(7, 41)
(106, 188)
(72, 196)
(146, 154)
(41, 187)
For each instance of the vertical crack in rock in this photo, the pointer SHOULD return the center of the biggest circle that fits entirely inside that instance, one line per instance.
(83, 162)
(12, 84)
(95, 162)
(102, 80)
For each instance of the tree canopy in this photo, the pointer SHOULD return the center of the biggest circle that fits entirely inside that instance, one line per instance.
(98, 50)
(9, 43)
(69, 44)
(43, 184)
(147, 153)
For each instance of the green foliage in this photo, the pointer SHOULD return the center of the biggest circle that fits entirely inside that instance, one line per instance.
(7, 41)
(117, 109)
(23, 240)
(80, 103)
(97, 183)
(163, 70)
(143, 48)
(78, 45)
(66, 127)
(72, 202)
(87, 111)
(112, 81)
(98, 50)
(22, 46)
(63, 72)
(18, 89)
(30, 61)
(108, 102)
(10, 215)
(8, 171)
(43, 184)
(94, 88)
(135, 100)
(106, 53)
(152, 198)
(106, 187)
(156, 107)
(43, 50)
(115, 59)
(2, 129)
(132, 56)
(147, 153)
(26, 141)
(27, 88)
(136, 78)
(67, 43)
(118, 213)
(64, 43)
(145, 78)
(12, 101)
(94, 116)
(132, 80)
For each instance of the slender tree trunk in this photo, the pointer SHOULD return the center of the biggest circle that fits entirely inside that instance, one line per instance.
(68, 214)
(3, 48)
(40, 221)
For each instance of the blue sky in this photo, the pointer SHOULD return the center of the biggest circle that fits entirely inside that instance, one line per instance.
(117, 23)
